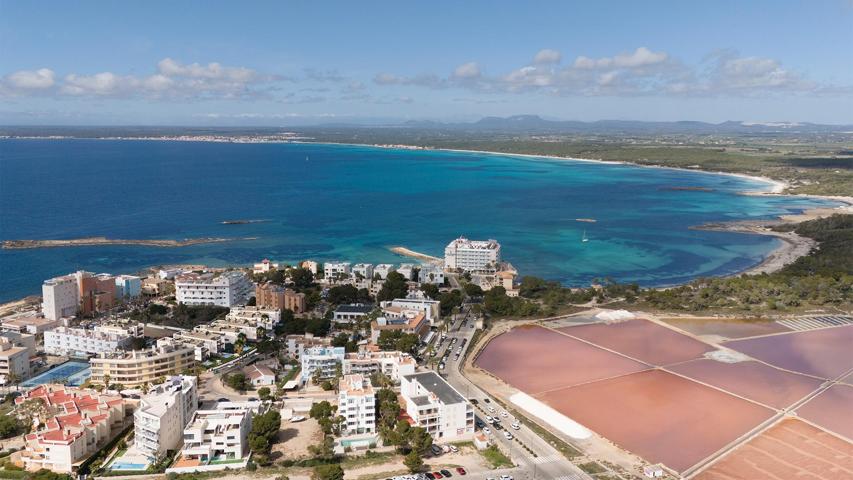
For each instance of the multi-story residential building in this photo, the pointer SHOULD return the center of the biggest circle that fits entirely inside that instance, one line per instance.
(29, 322)
(226, 289)
(430, 308)
(311, 266)
(80, 422)
(335, 271)
(128, 286)
(60, 297)
(270, 295)
(393, 364)
(20, 339)
(206, 343)
(154, 286)
(138, 367)
(261, 317)
(399, 319)
(431, 274)
(365, 270)
(264, 267)
(162, 413)
(14, 361)
(436, 406)
(296, 345)
(407, 270)
(322, 358)
(351, 313)
(97, 292)
(80, 342)
(215, 439)
(357, 404)
(475, 256)
(383, 269)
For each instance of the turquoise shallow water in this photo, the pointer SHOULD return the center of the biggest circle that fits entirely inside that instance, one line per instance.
(350, 202)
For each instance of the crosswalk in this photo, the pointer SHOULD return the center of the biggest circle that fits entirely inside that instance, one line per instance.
(547, 459)
(571, 476)
(814, 322)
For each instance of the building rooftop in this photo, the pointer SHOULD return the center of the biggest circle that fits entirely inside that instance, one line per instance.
(436, 385)
(354, 308)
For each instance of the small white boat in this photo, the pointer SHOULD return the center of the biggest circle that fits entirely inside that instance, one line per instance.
(584, 239)
(296, 419)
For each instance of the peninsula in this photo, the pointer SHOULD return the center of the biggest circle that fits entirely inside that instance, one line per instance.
(89, 241)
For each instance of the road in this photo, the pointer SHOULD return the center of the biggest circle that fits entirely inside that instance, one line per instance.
(548, 463)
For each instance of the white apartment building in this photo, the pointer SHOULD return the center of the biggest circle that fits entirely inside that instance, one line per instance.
(138, 367)
(476, 256)
(128, 286)
(333, 271)
(266, 318)
(264, 267)
(357, 404)
(383, 269)
(215, 436)
(430, 308)
(81, 342)
(324, 358)
(393, 364)
(407, 270)
(60, 297)
(363, 269)
(162, 413)
(351, 313)
(431, 274)
(437, 407)
(311, 266)
(14, 361)
(225, 289)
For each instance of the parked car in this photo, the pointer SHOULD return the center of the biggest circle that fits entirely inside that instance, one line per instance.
(487, 431)
(461, 471)
(506, 477)
(487, 400)
(504, 414)
(446, 473)
(454, 449)
(436, 450)
(437, 475)
(507, 435)
(515, 426)
(429, 476)
(489, 418)
(491, 409)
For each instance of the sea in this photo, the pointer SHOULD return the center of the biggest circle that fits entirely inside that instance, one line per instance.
(352, 203)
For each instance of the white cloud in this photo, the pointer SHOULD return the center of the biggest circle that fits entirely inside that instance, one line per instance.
(40, 79)
(171, 80)
(467, 71)
(641, 57)
(547, 56)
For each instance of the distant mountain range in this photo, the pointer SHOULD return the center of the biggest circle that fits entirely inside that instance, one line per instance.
(537, 124)
(516, 124)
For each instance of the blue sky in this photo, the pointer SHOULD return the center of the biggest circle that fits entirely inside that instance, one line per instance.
(289, 63)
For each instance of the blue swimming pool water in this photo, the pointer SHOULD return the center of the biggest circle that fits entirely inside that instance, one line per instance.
(128, 466)
(72, 373)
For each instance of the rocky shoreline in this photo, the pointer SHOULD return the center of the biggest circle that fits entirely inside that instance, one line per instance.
(99, 241)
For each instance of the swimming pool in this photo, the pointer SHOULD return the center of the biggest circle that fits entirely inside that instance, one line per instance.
(128, 466)
(72, 372)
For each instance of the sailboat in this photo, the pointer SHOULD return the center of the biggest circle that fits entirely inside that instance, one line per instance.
(584, 239)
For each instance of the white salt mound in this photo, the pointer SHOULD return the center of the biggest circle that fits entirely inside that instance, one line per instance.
(615, 315)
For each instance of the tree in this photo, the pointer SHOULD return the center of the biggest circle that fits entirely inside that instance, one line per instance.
(302, 278)
(238, 381)
(342, 294)
(449, 300)
(430, 290)
(390, 340)
(394, 287)
(420, 440)
(264, 431)
(473, 290)
(264, 393)
(328, 472)
(9, 426)
(414, 462)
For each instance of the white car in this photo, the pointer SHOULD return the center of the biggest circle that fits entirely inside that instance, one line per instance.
(516, 426)
(506, 477)
(504, 414)
(487, 430)
(491, 409)
(507, 435)
(488, 419)
(454, 449)
(296, 419)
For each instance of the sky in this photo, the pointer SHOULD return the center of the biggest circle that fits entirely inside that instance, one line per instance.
(299, 63)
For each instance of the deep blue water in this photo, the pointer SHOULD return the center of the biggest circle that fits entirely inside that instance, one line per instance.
(347, 202)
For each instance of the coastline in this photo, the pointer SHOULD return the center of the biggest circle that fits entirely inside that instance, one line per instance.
(99, 241)
(791, 248)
